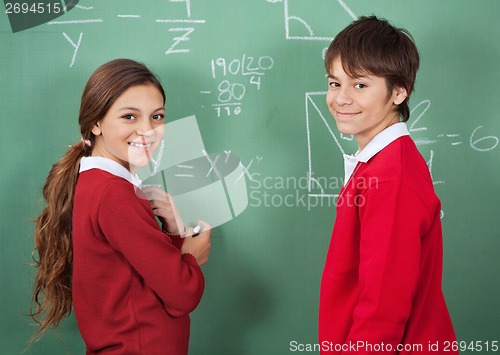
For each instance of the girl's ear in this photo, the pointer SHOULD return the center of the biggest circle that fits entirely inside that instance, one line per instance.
(96, 129)
(400, 95)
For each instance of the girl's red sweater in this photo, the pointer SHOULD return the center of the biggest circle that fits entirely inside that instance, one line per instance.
(132, 289)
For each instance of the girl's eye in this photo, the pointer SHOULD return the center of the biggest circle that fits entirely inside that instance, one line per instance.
(359, 86)
(128, 117)
(158, 117)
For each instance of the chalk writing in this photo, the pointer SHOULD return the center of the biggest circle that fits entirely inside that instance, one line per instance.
(429, 164)
(491, 144)
(76, 46)
(188, 6)
(478, 142)
(186, 31)
(177, 40)
(230, 93)
(128, 16)
(180, 166)
(427, 104)
(246, 171)
(482, 144)
(248, 65)
(297, 19)
(74, 22)
(84, 7)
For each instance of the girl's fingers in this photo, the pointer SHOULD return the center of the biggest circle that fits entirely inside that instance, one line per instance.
(155, 193)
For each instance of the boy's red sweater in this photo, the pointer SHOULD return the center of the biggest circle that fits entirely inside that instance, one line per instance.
(381, 283)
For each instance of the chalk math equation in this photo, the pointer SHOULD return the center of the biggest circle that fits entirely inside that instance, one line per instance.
(234, 77)
(181, 28)
(478, 139)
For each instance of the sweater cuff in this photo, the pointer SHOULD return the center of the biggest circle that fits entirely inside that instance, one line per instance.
(176, 241)
(189, 258)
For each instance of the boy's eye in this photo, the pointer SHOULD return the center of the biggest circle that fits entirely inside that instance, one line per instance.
(333, 84)
(359, 86)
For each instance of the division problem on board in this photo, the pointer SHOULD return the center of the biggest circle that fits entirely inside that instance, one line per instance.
(238, 75)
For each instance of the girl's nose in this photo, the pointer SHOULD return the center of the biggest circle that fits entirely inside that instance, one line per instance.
(145, 129)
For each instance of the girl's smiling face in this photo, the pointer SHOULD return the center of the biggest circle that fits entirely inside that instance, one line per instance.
(132, 128)
(361, 106)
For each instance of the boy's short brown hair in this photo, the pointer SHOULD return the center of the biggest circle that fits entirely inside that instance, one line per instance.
(373, 46)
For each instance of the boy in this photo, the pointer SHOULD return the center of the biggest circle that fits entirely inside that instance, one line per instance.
(381, 284)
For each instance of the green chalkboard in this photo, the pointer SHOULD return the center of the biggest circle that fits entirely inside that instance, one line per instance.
(252, 73)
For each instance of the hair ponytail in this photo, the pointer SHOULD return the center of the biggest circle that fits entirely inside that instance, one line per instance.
(53, 243)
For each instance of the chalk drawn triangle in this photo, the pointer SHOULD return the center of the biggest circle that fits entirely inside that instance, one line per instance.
(325, 145)
(300, 25)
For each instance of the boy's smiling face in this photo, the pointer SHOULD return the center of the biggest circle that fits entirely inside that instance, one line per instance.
(361, 106)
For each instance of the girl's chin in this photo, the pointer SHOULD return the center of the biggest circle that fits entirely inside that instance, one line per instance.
(141, 158)
(139, 161)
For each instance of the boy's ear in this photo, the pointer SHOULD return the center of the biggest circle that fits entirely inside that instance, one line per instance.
(96, 129)
(401, 95)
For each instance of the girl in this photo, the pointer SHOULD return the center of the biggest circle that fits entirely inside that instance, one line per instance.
(100, 249)
(381, 284)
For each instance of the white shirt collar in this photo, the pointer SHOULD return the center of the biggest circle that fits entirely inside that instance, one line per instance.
(379, 142)
(111, 166)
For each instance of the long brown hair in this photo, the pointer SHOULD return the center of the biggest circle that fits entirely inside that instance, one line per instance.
(52, 297)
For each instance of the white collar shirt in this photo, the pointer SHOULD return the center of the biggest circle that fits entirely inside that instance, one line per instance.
(379, 142)
(111, 166)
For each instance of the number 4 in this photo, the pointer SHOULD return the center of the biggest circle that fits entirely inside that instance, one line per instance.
(256, 81)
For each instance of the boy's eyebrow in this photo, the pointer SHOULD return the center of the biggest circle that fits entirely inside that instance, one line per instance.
(355, 77)
(364, 77)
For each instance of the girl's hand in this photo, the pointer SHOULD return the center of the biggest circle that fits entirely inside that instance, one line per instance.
(200, 245)
(164, 208)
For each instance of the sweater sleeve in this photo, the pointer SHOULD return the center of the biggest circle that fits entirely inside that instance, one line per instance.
(176, 240)
(393, 220)
(129, 225)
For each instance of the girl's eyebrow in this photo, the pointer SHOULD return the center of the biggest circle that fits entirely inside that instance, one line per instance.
(128, 109)
(138, 110)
